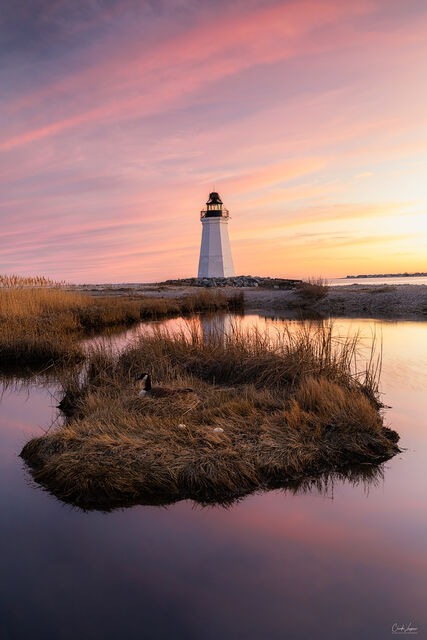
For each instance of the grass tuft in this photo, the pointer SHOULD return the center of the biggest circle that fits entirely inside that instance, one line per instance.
(313, 289)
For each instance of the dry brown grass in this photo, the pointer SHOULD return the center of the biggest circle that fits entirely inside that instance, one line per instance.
(313, 289)
(37, 326)
(291, 407)
(42, 325)
(14, 281)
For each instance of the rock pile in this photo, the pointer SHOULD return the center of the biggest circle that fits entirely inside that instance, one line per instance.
(236, 281)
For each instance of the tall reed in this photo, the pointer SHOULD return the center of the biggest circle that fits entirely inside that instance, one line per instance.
(14, 281)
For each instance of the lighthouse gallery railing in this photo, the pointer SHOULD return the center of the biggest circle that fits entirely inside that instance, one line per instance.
(213, 213)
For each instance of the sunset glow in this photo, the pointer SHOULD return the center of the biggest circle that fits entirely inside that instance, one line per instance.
(119, 117)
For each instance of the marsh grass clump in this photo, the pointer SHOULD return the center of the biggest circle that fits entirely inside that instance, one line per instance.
(290, 406)
(37, 326)
(44, 324)
(312, 290)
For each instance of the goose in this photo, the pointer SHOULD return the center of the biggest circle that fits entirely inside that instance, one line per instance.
(146, 390)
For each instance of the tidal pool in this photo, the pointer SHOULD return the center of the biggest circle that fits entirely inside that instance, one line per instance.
(347, 563)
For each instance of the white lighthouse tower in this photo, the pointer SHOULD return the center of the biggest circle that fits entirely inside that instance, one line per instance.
(215, 251)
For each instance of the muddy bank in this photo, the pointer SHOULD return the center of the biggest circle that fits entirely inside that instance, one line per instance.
(384, 301)
(404, 301)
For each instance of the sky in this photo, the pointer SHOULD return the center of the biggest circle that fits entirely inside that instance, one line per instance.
(118, 117)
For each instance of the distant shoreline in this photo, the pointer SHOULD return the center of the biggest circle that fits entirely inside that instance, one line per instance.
(419, 274)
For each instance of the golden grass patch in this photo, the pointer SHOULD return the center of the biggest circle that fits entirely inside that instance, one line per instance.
(40, 325)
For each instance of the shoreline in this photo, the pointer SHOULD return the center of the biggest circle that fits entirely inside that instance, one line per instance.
(399, 301)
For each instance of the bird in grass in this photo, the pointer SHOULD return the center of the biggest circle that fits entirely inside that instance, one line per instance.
(146, 390)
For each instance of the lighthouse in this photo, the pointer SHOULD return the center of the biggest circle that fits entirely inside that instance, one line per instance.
(215, 252)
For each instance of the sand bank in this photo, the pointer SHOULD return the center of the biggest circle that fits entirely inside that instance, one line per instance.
(404, 301)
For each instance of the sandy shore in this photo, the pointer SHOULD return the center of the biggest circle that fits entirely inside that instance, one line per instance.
(383, 301)
(405, 301)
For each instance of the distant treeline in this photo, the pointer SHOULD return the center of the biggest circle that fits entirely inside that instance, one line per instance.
(390, 275)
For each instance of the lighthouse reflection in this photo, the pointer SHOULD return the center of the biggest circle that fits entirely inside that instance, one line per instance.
(211, 327)
(214, 326)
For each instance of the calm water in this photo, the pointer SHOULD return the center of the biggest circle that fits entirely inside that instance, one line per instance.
(348, 564)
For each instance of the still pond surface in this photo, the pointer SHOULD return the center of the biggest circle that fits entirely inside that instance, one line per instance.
(346, 564)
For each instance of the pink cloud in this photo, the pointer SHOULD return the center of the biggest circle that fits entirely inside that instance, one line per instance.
(111, 157)
(180, 66)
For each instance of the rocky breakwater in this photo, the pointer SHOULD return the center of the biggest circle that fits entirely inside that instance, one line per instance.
(236, 281)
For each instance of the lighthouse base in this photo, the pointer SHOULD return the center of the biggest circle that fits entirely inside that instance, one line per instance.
(215, 252)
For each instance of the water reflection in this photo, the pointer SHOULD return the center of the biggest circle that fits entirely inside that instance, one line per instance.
(211, 326)
(343, 563)
(323, 484)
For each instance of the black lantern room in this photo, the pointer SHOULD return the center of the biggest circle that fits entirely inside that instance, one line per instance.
(214, 206)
